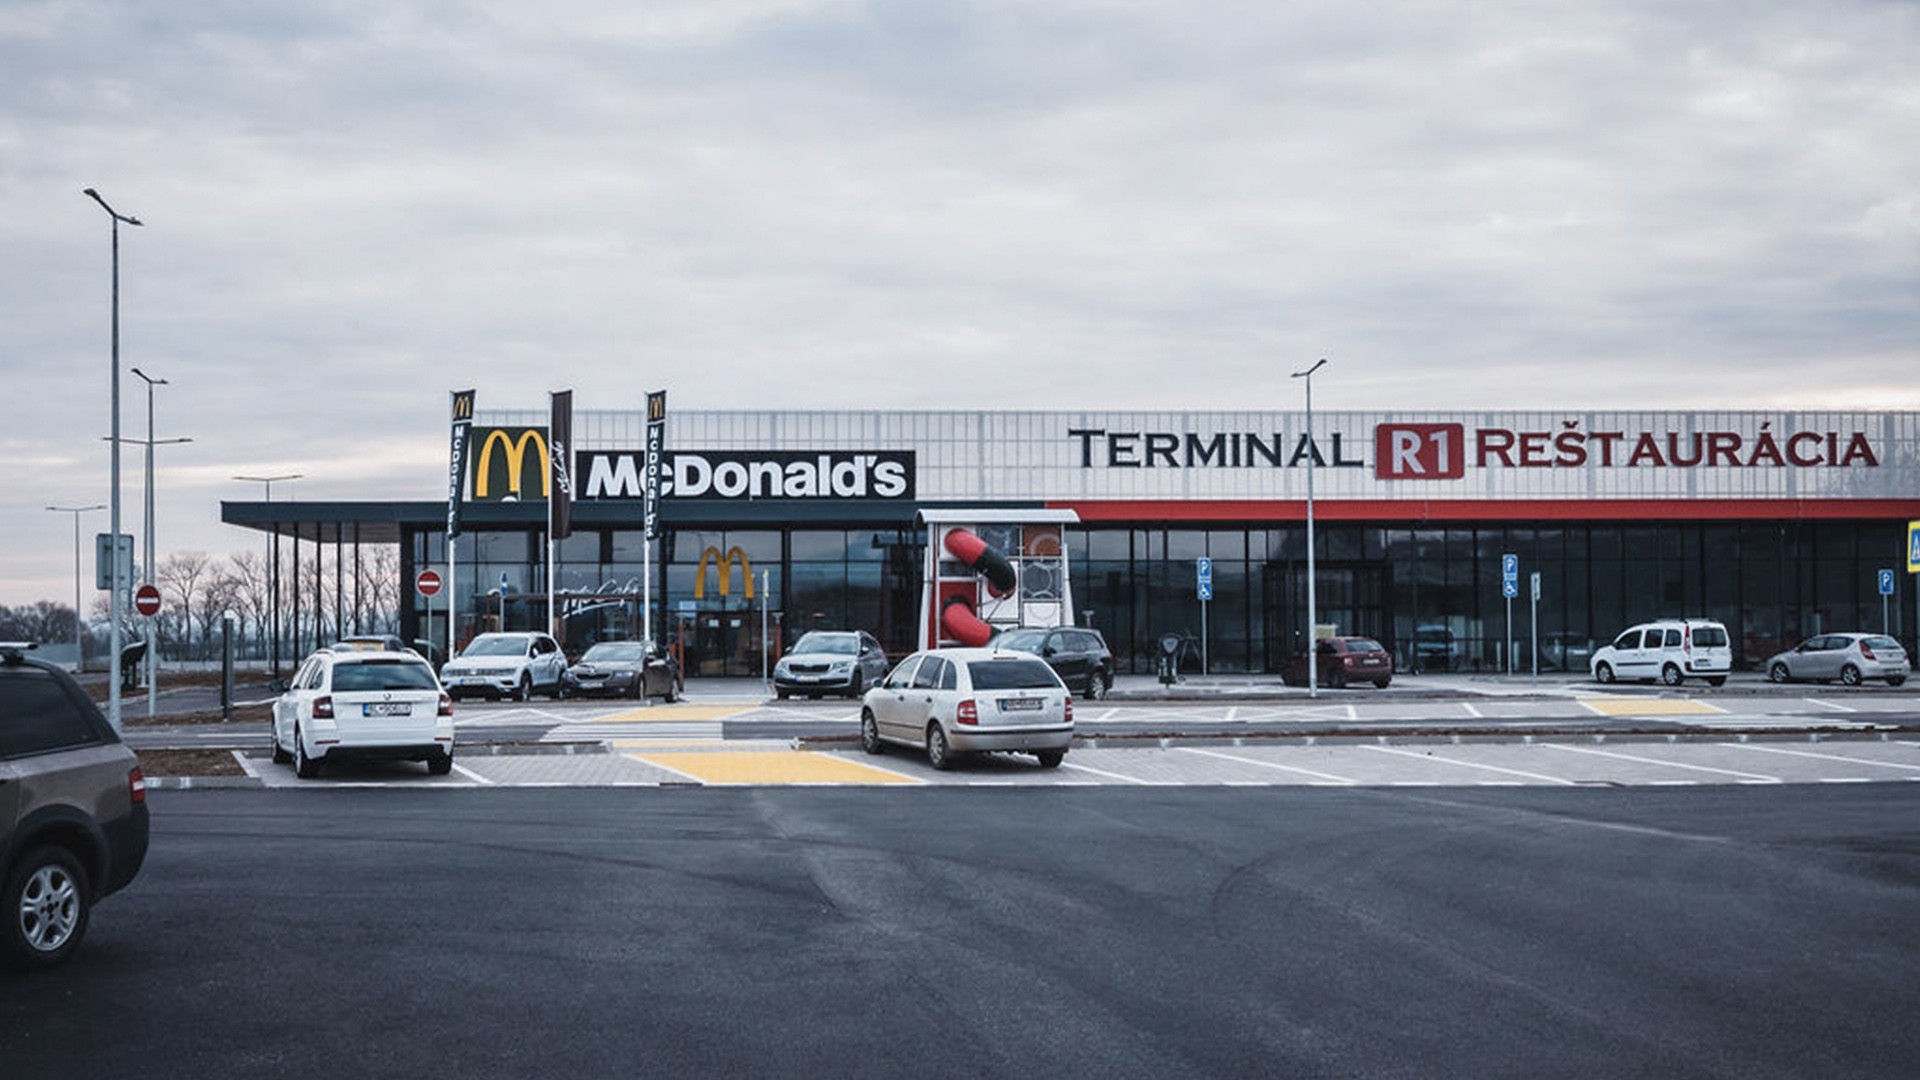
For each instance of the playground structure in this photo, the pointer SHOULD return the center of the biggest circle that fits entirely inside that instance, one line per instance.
(990, 570)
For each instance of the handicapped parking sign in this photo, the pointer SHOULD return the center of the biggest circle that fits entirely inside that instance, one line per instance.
(1510, 576)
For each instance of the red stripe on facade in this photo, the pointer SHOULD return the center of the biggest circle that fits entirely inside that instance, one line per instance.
(1508, 510)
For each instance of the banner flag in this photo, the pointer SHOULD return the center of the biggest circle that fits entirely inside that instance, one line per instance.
(559, 462)
(457, 457)
(656, 440)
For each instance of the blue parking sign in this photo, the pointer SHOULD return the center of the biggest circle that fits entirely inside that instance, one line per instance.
(1509, 576)
(1886, 583)
(1203, 578)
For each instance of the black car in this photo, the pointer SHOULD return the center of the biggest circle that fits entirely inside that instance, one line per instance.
(1079, 655)
(623, 669)
(73, 811)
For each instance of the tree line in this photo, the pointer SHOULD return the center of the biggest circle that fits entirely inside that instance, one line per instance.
(197, 591)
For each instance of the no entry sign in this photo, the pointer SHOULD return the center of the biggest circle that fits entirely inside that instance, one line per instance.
(428, 582)
(146, 600)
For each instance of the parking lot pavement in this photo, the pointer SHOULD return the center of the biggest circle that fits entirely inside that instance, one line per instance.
(1333, 762)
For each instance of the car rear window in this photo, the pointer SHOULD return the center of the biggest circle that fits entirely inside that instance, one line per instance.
(383, 675)
(1882, 643)
(1364, 645)
(1011, 674)
(1711, 637)
(38, 715)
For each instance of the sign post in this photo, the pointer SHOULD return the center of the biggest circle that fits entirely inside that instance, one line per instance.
(1533, 620)
(427, 584)
(1509, 588)
(1203, 588)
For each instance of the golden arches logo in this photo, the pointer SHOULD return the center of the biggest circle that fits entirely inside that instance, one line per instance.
(726, 571)
(515, 449)
(462, 405)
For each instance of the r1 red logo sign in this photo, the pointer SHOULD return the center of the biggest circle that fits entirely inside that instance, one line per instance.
(1419, 451)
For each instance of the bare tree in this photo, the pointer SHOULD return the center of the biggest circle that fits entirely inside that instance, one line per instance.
(180, 577)
(249, 594)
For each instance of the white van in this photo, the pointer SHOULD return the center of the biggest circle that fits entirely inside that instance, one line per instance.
(1670, 650)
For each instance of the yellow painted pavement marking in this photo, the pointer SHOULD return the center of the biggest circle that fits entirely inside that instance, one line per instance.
(671, 713)
(1651, 707)
(770, 767)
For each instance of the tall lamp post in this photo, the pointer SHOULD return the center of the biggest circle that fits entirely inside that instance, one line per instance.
(79, 649)
(152, 657)
(1313, 613)
(113, 596)
(273, 566)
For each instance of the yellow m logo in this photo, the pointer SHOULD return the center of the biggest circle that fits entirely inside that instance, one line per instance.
(726, 571)
(513, 443)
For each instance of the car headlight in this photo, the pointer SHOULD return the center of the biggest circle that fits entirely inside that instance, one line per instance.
(841, 667)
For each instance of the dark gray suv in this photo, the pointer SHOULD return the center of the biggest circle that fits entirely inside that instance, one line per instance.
(1079, 655)
(73, 811)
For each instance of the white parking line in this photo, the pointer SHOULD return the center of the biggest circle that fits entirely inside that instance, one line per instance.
(1657, 761)
(1834, 705)
(474, 776)
(1111, 775)
(1466, 764)
(1328, 777)
(1471, 711)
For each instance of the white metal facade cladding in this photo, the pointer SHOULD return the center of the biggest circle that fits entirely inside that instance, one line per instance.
(994, 455)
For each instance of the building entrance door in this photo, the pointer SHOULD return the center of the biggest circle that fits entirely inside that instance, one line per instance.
(1355, 598)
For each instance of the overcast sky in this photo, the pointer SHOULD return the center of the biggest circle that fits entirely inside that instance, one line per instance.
(352, 207)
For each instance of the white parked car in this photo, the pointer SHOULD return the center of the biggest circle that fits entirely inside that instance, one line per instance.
(1847, 657)
(513, 665)
(956, 701)
(1670, 650)
(363, 705)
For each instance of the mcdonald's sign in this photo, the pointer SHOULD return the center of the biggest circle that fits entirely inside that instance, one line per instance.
(504, 471)
(726, 571)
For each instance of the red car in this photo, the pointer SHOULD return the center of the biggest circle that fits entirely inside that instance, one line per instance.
(1342, 661)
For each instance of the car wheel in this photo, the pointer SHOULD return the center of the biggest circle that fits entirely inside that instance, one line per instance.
(440, 764)
(280, 755)
(1896, 680)
(1098, 683)
(1603, 674)
(1337, 680)
(939, 754)
(1670, 675)
(1050, 759)
(782, 693)
(46, 909)
(675, 691)
(306, 768)
(1850, 675)
(857, 687)
(1716, 680)
(1383, 683)
(1779, 673)
(870, 733)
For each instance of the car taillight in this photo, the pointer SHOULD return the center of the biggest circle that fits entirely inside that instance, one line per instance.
(1866, 652)
(1069, 710)
(323, 708)
(137, 784)
(446, 704)
(967, 712)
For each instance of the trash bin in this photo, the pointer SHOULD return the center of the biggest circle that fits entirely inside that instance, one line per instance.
(130, 658)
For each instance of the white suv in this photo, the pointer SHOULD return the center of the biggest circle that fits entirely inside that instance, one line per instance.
(512, 665)
(363, 705)
(1670, 650)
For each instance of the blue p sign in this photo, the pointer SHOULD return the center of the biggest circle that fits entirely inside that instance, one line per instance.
(1886, 583)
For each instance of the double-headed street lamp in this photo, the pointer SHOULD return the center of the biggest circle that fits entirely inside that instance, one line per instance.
(79, 649)
(152, 656)
(1313, 614)
(273, 566)
(113, 596)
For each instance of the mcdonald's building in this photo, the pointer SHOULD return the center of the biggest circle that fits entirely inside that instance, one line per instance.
(1465, 541)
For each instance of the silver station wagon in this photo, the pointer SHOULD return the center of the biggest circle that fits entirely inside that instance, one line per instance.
(958, 701)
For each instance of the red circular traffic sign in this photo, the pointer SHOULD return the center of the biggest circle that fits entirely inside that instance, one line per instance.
(146, 600)
(428, 582)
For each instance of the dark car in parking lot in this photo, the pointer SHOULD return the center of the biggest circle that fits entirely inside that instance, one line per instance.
(1342, 661)
(630, 669)
(73, 811)
(1079, 655)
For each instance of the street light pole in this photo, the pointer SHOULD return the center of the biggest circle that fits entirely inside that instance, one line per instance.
(273, 567)
(152, 663)
(79, 649)
(113, 596)
(1313, 614)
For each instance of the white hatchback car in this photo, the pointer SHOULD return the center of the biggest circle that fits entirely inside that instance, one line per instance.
(363, 705)
(955, 701)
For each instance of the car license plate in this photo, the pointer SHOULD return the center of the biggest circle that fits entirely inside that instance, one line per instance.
(387, 708)
(1021, 704)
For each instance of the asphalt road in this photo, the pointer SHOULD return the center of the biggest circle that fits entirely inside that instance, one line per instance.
(1168, 932)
